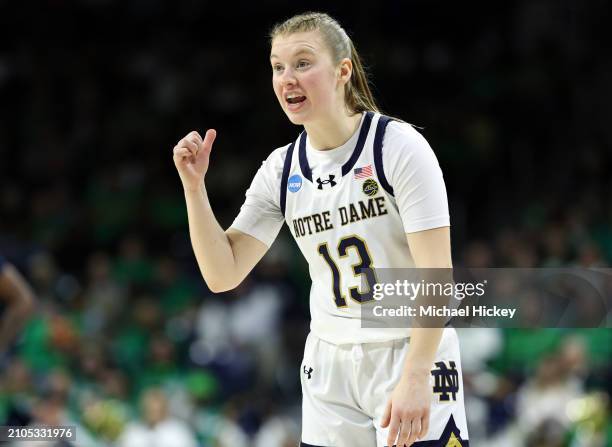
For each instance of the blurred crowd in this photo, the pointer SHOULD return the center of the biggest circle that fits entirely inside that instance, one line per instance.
(129, 345)
(138, 349)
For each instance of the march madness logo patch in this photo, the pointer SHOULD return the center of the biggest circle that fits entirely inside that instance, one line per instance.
(370, 187)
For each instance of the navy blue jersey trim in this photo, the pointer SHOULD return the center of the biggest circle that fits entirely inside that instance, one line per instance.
(346, 168)
(450, 428)
(285, 177)
(381, 127)
(464, 443)
(435, 443)
(303, 444)
(304, 166)
(363, 134)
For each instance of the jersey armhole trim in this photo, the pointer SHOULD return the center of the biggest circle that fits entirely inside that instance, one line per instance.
(285, 177)
(381, 127)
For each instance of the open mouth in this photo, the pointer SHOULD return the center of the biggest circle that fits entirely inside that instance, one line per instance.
(296, 99)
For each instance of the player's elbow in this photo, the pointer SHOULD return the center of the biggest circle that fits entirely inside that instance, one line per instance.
(220, 285)
(219, 288)
(221, 279)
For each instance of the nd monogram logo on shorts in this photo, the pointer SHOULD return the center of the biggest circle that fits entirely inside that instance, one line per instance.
(446, 381)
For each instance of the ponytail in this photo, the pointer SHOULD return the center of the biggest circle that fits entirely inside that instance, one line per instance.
(357, 93)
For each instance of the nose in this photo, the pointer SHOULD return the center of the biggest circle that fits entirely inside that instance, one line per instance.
(287, 77)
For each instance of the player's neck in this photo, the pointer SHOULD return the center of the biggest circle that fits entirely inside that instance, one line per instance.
(332, 132)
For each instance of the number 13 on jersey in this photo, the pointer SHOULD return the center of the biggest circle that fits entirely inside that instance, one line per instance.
(362, 269)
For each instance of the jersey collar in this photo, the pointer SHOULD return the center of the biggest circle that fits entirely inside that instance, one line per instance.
(346, 167)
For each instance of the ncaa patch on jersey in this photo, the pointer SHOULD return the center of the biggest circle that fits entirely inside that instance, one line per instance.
(294, 184)
(370, 187)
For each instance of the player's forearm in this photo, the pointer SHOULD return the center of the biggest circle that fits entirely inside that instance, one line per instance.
(424, 343)
(431, 251)
(211, 246)
(426, 332)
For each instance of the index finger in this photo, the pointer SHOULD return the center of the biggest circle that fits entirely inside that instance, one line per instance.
(194, 136)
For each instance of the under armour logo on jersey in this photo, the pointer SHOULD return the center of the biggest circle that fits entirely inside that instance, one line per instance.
(446, 381)
(330, 181)
(307, 371)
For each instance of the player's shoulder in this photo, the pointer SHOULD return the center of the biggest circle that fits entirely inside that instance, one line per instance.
(403, 136)
(276, 159)
(404, 145)
(272, 166)
(278, 155)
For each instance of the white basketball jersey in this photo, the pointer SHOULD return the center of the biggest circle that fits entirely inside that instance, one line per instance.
(347, 224)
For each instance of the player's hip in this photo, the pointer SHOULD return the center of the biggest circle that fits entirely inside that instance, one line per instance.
(346, 386)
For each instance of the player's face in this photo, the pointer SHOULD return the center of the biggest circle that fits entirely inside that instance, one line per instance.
(304, 77)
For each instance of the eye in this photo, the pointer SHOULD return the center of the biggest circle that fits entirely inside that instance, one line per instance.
(303, 64)
(277, 68)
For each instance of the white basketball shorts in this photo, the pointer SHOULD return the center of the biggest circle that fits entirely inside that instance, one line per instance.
(346, 388)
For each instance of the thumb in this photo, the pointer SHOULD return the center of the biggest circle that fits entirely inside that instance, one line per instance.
(209, 139)
(386, 415)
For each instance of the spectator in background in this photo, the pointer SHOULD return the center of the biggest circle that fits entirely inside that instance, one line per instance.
(49, 411)
(544, 397)
(18, 299)
(159, 428)
(104, 295)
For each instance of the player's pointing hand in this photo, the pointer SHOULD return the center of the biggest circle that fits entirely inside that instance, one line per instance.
(192, 156)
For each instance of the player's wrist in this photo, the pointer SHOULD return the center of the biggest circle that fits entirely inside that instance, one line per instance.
(195, 190)
(416, 373)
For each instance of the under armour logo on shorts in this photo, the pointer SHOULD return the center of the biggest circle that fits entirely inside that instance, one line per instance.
(307, 371)
(329, 181)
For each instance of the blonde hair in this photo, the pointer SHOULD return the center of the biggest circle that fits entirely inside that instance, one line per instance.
(357, 94)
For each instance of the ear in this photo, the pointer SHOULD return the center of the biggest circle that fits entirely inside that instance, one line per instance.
(345, 71)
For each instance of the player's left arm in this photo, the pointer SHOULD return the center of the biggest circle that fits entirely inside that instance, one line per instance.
(407, 412)
(430, 249)
(412, 169)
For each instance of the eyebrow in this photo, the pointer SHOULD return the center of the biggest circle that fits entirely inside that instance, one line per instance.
(302, 50)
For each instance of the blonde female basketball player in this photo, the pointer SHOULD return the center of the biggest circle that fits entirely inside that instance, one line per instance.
(358, 191)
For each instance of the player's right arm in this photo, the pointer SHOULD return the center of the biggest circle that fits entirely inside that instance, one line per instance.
(224, 257)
